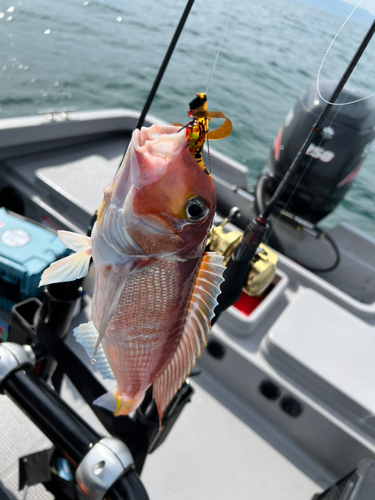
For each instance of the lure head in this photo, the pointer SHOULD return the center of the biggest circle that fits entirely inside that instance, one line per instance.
(160, 196)
(198, 106)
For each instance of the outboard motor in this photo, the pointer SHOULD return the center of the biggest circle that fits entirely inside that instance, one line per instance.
(333, 160)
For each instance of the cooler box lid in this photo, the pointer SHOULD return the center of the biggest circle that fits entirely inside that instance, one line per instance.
(26, 247)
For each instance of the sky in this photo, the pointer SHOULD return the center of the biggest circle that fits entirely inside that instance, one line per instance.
(368, 5)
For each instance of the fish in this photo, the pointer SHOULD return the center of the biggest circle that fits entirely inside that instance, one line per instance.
(155, 286)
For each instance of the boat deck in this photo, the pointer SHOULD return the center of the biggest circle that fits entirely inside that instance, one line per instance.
(311, 339)
(219, 448)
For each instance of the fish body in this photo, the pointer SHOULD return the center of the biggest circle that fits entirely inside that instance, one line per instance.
(155, 288)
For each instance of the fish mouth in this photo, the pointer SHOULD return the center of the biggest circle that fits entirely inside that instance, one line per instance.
(155, 148)
(159, 141)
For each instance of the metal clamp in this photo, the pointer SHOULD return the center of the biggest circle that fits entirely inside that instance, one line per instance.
(51, 112)
(12, 356)
(103, 465)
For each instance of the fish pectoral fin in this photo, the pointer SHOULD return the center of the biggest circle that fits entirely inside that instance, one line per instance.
(114, 286)
(68, 269)
(74, 241)
(196, 328)
(87, 335)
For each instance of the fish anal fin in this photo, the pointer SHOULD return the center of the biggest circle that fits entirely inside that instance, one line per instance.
(196, 328)
(68, 269)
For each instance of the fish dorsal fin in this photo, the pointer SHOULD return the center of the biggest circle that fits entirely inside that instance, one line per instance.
(196, 328)
(87, 335)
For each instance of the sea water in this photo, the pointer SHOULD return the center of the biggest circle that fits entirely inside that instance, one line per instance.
(95, 54)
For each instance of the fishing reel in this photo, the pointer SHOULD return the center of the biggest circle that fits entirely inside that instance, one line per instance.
(263, 264)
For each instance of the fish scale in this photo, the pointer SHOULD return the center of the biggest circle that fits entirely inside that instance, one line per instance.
(154, 325)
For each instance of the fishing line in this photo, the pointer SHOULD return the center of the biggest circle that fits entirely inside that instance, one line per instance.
(275, 224)
(209, 155)
(322, 139)
(213, 70)
(330, 123)
(296, 186)
(324, 58)
(219, 49)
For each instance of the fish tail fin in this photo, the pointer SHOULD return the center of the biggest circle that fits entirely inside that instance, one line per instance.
(119, 405)
(128, 405)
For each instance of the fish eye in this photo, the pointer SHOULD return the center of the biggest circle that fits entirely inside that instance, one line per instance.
(196, 209)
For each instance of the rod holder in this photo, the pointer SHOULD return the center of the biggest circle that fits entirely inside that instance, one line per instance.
(102, 466)
(12, 357)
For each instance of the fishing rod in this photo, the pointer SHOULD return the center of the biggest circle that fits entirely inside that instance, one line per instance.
(165, 62)
(156, 84)
(238, 266)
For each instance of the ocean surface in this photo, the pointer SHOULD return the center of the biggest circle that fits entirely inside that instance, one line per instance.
(106, 53)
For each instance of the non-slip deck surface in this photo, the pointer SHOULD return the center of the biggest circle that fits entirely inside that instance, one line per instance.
(210, 454)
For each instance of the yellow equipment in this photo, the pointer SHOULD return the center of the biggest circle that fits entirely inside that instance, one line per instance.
(197, 130)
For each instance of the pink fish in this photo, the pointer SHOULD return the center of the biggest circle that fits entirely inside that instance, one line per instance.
(155, 288)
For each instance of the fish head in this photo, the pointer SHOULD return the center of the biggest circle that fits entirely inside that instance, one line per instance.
(160, 199)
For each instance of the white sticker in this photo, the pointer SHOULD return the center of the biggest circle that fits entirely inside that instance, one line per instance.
(320, 153)
(15, 238)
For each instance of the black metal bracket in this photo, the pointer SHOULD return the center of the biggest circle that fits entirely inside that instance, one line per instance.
(31, 323)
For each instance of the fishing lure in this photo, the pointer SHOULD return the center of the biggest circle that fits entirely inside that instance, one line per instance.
(197, 130)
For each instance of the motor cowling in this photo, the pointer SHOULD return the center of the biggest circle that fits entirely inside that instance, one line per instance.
(333, 159)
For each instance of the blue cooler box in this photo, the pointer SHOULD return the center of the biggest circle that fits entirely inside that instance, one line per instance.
(26, 250)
